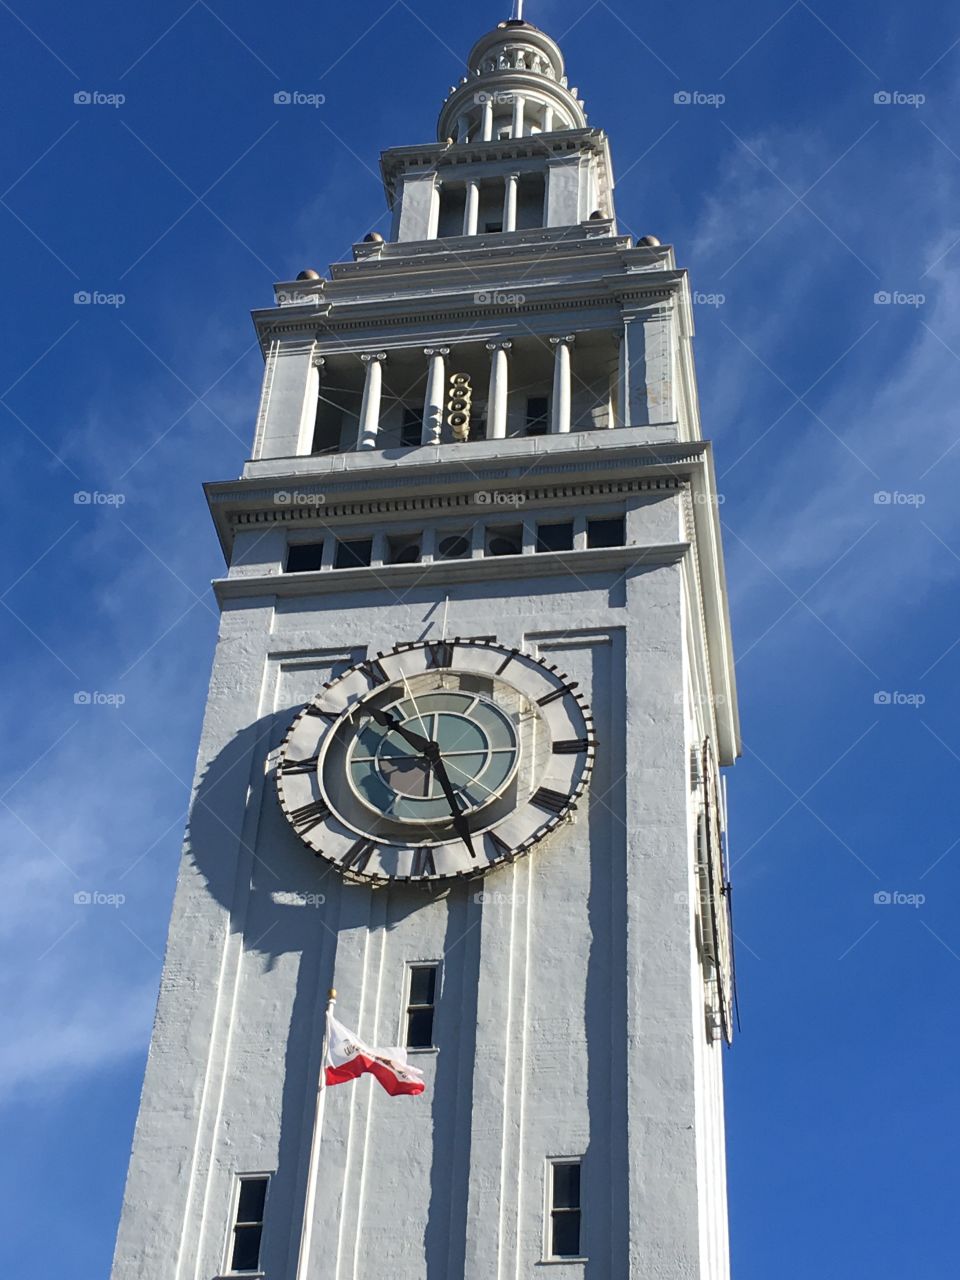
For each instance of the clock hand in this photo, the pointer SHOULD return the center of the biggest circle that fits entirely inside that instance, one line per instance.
(423, 745)
(460, 824)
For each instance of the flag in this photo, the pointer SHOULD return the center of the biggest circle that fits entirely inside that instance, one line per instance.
(348, 1058)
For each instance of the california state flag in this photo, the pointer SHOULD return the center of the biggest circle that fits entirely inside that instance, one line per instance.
(348, 1057)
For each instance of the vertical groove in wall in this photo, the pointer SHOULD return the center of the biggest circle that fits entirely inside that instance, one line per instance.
(507, 1087)
(527, 866)
(351, 1123)
(378, 927)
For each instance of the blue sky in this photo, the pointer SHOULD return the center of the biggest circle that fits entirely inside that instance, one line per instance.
(795, 201)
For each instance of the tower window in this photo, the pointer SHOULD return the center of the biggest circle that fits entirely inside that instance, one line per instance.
(563, 1198)
(411, 428)
(555, 537)
(538, 412)
(492, 227)
(353, 554)
(606, 533)
(248, 1225)
(454, 547)
(505, 541)
(304, 557)
(403, 550)
(421, 1005)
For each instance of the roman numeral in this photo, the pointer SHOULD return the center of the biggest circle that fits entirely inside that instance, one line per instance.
(357, 856)
(553, 801)
(321, 714)
(571, 746)
(500, 847)
(440, 654)
(506, 662)
(375, 672)
(309, 816)
(557, 694)
(423, 863)
(300, 766)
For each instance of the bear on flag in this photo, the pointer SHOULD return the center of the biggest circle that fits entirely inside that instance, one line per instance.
(348, 1058)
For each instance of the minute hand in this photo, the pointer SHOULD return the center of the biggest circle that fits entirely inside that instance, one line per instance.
(460, 824)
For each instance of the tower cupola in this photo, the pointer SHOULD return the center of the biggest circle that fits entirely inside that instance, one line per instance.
(515, 86)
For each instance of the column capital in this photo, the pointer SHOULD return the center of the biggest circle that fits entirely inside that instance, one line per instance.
(319, 361)
(436, 351)
(499, 346)
(374, 355)
(566, 341)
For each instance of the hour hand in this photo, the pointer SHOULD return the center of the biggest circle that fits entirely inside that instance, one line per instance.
(460, 824)
(421, 744)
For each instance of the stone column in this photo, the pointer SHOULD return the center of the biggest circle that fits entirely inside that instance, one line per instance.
(471, 212)
(562, 391)
(487, 118)
(436, 388)
(370, 408)
(308, 423)
(623, 378)
(548, 111)
(499, 387)
(510, 202)
(519, 107)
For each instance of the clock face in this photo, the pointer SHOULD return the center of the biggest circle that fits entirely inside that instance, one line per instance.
(435, 761)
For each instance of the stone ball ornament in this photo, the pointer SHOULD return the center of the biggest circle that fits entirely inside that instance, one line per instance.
(436, 761)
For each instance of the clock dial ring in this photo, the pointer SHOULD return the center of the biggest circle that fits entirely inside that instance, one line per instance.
(525, 698)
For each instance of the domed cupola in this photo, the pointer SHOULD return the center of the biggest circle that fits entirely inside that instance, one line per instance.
(516, 86)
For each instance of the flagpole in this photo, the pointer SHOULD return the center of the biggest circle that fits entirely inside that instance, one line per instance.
(310, 1205)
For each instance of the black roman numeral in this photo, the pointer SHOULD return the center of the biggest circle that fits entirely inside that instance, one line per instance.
(357, 856)
(500, 847)
(440, 654)
(557, 694)
(553, 801)
(309, 816)
(506, 662)
(423, 863)
(375, 672)
(321, 713)
(571, 746)
(300, 766)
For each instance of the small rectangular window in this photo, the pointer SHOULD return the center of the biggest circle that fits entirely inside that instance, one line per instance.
(403, 550)
(454, 546)
(505, 540)
(411, 429)
(248, 1226)
(421, 1005)
(538, 409)
(304, 557)
(564, 1207)
(606, 533)
(492, 228)
(353, 554)
(555, 537)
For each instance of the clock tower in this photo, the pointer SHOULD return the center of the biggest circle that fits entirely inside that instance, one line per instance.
(461, 758)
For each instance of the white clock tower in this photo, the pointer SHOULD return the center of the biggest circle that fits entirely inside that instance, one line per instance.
(471, 696)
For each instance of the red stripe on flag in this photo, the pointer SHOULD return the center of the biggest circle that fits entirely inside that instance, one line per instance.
(361, 1065)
